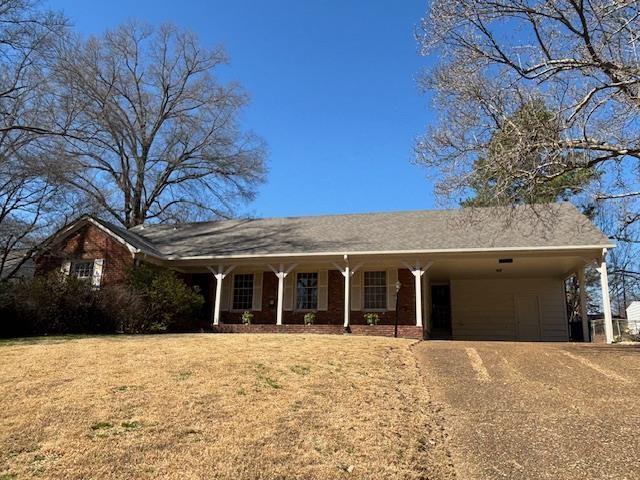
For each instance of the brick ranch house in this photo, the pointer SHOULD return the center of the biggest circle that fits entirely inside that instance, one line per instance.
(487, 273)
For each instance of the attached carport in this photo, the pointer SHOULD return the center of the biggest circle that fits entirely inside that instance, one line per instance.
(510, 294)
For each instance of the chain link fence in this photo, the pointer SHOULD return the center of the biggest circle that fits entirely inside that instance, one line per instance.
(623, 330)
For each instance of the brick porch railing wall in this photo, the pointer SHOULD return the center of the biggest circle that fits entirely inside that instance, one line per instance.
(404, 331)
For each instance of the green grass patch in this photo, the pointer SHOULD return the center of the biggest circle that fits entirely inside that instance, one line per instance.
(101, 426)
(264, 378)
(300, 370)
(271, 382)
(131, 425)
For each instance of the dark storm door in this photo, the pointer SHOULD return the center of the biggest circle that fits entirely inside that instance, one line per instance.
(441, 307)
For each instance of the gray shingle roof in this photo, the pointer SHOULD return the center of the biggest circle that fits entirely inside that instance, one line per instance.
(131, 237)
(26, 270)
(557, 225)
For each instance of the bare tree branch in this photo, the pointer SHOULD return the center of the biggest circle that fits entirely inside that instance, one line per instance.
(581, 61)
(32, 202)
(151, 118)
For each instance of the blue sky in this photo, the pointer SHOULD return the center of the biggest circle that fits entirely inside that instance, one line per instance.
(333, 92)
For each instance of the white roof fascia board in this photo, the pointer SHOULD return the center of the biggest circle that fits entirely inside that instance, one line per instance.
(395, 252)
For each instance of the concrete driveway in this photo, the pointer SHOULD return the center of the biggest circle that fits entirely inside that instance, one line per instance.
(537, 411)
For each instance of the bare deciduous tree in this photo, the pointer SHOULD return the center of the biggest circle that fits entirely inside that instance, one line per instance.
(155, 136)
(28, 191)
(580, 59)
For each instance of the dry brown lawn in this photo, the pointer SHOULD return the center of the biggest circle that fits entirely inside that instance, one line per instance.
(216, 406)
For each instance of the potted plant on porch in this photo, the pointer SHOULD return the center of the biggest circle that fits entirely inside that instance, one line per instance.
(372, 318)
(310, 318)
(247, 318)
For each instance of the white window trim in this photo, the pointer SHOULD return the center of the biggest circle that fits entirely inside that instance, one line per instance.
(364, 289)
(233, 283)
(295, 293)
(73, 273)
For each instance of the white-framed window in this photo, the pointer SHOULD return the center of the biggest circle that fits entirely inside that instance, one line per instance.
(242, 291)
(375, 290)
(82, 269)
(307, 291)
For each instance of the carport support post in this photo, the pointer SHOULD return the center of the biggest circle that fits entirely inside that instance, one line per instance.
(606, 301)
(582, 286)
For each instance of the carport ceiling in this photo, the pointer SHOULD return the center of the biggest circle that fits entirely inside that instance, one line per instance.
(491, 267)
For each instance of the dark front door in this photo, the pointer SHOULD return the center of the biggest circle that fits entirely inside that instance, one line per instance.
(440, 310)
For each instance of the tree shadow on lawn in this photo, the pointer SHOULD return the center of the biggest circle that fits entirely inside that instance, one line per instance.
(5, 342)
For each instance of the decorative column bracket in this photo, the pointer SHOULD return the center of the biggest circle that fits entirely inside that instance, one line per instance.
(418, 272)
(343, 270)
(281, 274)
(219, 275)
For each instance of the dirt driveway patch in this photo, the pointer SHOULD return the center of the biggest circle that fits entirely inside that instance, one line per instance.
(537, 411)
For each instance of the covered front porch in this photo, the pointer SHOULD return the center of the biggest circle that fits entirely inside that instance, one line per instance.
(497, 295)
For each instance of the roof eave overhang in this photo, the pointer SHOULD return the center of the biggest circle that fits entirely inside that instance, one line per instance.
(422, 252)
(63, 233)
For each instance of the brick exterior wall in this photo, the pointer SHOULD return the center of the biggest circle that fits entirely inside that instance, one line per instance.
(335, 308)
(89, 243)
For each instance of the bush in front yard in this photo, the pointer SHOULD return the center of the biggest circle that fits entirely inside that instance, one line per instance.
(153, 300)
(170, 305)
(125, 308)
(51, 304)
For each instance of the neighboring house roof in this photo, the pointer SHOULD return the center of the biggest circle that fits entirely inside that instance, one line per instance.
(471, 229)
(26, 270)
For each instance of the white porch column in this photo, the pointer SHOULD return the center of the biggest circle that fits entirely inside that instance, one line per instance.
(606, 301)
(347, 273)
(418, 272)
(216, 306)
(219, 275)
(347, 296)
(281, 276)
(582, 285)
(281, 273)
